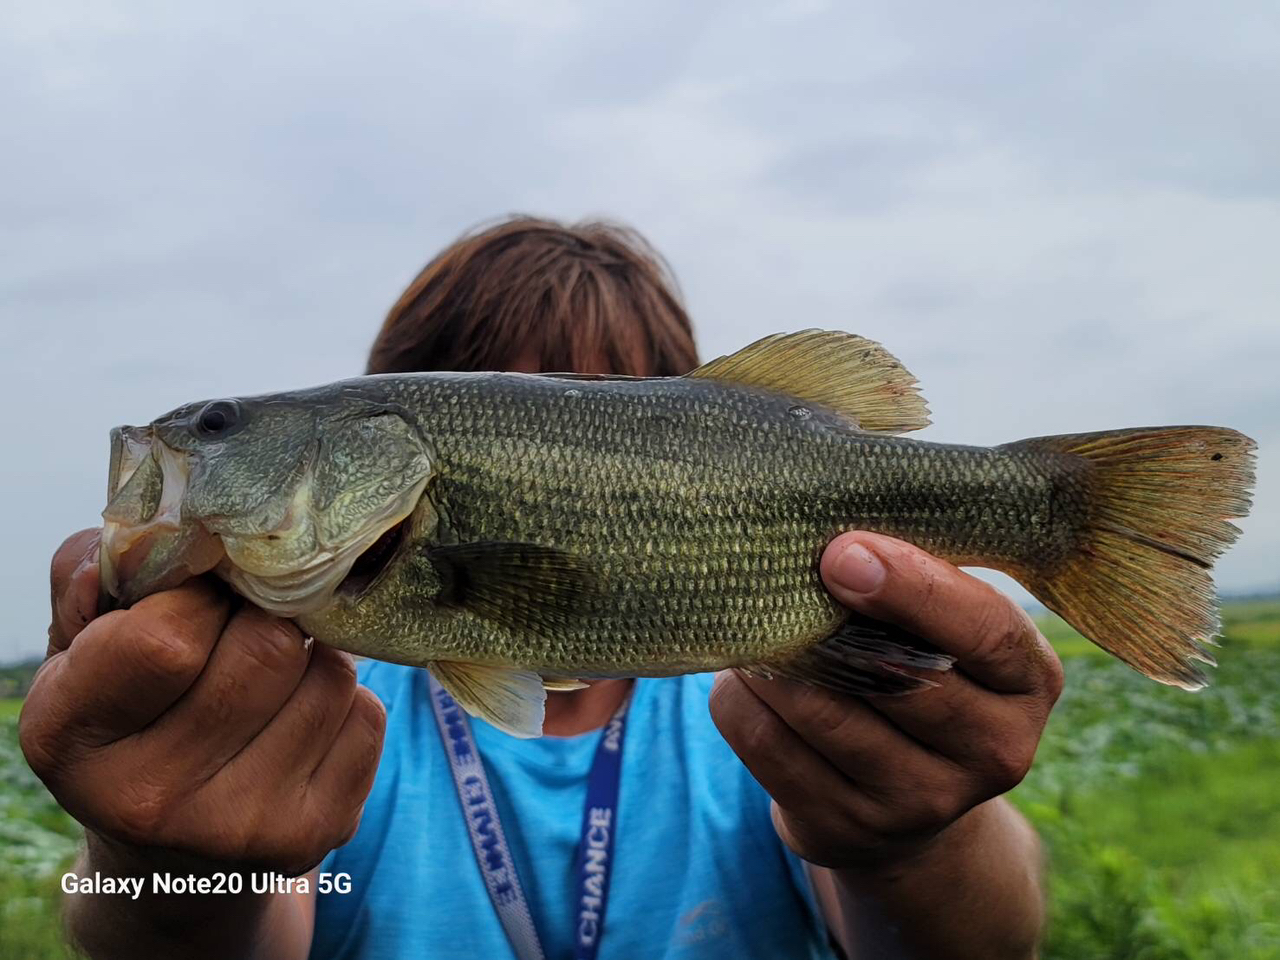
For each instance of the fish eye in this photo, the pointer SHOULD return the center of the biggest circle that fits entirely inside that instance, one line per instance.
(217, 419)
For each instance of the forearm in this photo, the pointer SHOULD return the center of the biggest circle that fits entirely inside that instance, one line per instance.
(974, 892)
(188, 925)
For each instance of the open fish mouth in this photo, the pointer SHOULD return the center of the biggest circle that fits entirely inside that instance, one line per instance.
(369, 565)
(146, 543)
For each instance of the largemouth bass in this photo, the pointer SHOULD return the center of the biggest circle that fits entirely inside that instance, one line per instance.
(516, 533)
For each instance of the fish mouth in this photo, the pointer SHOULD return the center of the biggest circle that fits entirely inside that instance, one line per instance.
(371, 563)
(146, 545)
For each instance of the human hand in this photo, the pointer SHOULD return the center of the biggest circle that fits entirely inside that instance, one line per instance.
(187, 724)
(871, 782)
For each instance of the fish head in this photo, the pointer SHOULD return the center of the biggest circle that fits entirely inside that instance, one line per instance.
(279, 495)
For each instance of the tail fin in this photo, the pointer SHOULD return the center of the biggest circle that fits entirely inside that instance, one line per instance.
(1138, 582)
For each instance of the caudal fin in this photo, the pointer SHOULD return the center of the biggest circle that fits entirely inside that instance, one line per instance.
(1138, 583)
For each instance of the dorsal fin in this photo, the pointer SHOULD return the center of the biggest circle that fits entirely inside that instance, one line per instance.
(847, 373)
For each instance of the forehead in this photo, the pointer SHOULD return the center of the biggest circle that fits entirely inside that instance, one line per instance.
(527, 361)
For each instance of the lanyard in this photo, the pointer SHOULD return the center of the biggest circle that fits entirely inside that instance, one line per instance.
(480, 811)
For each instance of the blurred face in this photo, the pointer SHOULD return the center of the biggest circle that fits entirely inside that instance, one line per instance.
(529, 361)
(526, 362)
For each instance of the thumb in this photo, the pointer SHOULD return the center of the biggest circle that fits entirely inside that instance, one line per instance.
(852, 569)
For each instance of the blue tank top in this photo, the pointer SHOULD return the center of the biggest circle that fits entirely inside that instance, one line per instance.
(700, 871)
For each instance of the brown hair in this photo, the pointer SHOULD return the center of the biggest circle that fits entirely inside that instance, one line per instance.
(593, 297)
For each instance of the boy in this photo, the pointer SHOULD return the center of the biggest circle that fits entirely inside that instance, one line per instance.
(191, 736)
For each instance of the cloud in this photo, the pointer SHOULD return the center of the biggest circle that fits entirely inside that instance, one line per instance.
(1060, 220)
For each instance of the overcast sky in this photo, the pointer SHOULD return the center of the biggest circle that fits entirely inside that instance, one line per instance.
(1060, 219)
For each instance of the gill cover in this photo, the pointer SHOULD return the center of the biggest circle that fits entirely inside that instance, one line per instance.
(366, 474)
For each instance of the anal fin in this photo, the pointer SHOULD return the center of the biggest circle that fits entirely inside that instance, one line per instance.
(514, 701)
(863, 656)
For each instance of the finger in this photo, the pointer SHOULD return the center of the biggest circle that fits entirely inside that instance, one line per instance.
(301, 733)
(865, 746)
(255, 667)
(129, 666)
(993, 640)
(73, 587)
(992, 734)
(799, 778)
(325, 799)
(346, 773)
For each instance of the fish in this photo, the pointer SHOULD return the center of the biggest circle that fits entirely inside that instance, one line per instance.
(518, 533)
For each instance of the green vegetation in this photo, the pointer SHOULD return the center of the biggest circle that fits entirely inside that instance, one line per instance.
(1160, 811)
(37, 842)
(15, 679)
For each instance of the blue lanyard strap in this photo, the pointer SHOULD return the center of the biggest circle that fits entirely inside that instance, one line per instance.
(599, 827)
(481, 815)
(480, 811)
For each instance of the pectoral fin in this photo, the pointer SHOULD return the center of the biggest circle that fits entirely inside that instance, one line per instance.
(512, 700)
(521, 585)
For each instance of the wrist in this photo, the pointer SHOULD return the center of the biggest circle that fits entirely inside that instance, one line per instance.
(102, 923)
(897, 861)
(119, 859)
(972, 891)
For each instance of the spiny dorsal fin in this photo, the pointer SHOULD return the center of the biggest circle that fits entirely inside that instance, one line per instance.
(847, 373)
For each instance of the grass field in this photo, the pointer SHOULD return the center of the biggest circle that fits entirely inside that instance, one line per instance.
(37, 840)
(1160, 811)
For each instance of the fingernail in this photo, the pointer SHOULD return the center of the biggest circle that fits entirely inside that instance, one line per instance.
(858, 569)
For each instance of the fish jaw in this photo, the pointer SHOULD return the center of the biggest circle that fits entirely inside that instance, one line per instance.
(147, 545)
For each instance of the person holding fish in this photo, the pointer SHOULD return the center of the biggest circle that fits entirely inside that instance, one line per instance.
(537, 540)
